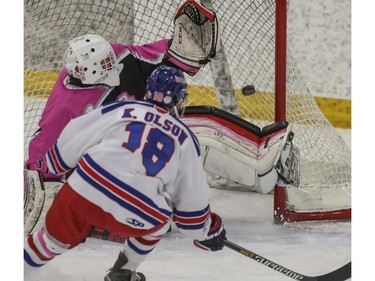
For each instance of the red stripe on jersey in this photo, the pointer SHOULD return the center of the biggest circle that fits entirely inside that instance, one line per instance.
(56, 162)
(120, 193)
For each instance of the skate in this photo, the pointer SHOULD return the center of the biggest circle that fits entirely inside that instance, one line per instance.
(117, 273)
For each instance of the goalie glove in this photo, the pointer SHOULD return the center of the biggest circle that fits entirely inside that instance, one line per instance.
(194, 39)
(215, 237)
(38, 197)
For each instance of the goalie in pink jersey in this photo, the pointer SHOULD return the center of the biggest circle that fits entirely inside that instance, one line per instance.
(92, 75)
(135, 168)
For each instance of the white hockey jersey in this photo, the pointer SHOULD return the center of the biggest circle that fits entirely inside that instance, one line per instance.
(125, 156)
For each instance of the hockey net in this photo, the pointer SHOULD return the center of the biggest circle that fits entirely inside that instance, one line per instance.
(249, 32)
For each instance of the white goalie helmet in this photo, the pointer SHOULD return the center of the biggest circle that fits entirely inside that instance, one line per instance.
(91, 59)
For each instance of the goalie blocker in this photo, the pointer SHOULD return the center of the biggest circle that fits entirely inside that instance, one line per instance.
(242, 153)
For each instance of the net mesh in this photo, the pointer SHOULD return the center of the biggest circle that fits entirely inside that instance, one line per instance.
(247, 30)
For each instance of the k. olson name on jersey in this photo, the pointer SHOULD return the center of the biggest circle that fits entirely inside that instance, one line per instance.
(163, 123)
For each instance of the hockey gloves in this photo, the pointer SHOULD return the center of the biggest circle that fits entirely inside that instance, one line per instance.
(215, 237)
(195, 37)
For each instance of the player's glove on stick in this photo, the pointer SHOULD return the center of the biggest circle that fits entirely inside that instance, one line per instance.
(195, 37)
(216, 235)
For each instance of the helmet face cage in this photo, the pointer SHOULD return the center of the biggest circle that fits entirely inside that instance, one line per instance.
(109, 62)
(166, 87)
(95, 60)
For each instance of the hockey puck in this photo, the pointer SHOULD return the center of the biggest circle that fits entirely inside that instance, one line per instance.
(248, 90)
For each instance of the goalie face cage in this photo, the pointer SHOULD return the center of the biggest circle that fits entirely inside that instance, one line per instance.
(249, 32)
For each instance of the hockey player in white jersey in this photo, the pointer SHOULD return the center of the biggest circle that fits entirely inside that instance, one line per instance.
(135, 168)
(97, 72)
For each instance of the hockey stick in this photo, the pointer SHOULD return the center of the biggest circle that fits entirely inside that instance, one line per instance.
(340, 274)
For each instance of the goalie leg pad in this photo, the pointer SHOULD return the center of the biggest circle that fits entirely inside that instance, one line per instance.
(242, 172)
(220, 160)
(267, 182)
(195, 37)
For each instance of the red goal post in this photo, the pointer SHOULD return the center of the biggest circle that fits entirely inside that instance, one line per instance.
(332, 205)
(253, 50)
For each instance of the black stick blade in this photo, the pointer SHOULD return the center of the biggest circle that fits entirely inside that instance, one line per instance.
(340, 274)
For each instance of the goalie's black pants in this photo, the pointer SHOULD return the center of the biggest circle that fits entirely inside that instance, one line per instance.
(68, 223)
